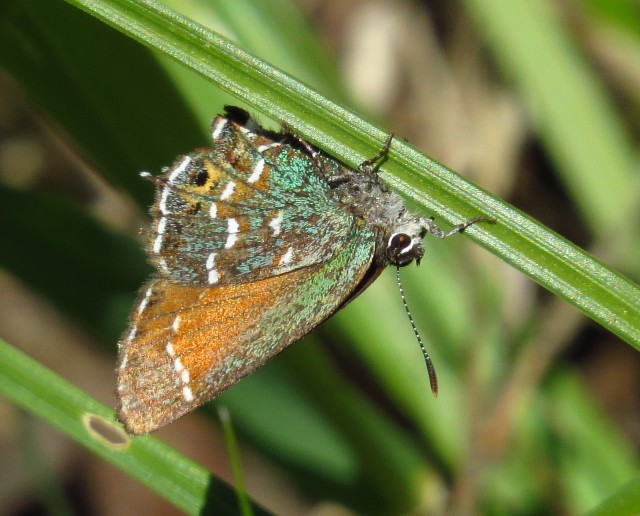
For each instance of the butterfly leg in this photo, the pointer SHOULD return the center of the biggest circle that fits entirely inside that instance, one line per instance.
(436, 231)
(369, 166)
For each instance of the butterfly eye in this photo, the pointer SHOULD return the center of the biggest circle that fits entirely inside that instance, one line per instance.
(402, 249)
(399, 241)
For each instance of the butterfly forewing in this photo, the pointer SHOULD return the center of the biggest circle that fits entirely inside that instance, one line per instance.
(247, 208)
(187, 344)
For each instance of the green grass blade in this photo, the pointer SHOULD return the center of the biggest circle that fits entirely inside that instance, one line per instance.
(44, 394)
(234, 457)
(606, 296)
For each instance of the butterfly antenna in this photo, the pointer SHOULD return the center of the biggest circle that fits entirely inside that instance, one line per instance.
(433, 379)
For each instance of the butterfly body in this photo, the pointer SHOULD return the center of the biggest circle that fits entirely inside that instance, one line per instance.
(256, 241)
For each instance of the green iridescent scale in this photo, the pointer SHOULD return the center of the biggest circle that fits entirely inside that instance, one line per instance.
(282, 219)
(256, 241)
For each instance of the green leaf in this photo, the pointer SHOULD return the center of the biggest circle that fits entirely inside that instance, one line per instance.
(182, 482)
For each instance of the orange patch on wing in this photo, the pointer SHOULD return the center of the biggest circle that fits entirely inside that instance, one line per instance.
(209, 330)
(216, 174)
(207, 178)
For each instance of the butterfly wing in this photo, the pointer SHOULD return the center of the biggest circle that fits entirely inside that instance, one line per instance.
(185, 345)
(245, 209)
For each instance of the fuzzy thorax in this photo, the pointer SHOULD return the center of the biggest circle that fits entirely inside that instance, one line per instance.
(399, 232)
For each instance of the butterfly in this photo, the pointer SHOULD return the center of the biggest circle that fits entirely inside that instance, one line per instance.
(255, 242)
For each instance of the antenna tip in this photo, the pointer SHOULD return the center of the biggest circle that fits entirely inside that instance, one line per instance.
(434, 386)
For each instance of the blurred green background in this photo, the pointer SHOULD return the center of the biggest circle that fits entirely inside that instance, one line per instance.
(537, 101)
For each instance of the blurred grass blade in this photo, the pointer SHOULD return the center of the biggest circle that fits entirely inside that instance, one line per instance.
(70, 257)
(395, 470)
(179, 480)
(622, 13)
(49, 490)
(563, 268)
(355, 448)
(595, 458)
(292, 42)
(234, 459)
(624, 501)
(575, 117)
(63, 60)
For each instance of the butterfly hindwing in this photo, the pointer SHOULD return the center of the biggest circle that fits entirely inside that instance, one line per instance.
(187, 344)
(245, 209)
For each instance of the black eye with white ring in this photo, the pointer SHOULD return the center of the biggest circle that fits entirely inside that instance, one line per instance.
(402, 249)
(399, 241)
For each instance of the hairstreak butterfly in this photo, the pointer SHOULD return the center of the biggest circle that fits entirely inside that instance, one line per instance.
(256, 241)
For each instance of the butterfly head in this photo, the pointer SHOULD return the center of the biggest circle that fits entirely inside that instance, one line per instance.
(404, 245)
